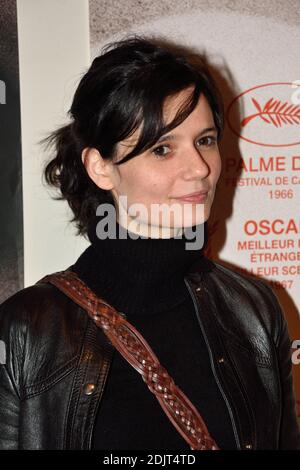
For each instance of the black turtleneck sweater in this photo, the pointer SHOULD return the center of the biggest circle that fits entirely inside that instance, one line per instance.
(144, 278)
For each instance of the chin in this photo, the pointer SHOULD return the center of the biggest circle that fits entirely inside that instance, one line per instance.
(195, 214)
(181, 216)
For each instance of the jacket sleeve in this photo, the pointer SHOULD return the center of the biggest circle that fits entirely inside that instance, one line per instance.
(11, 358)
(289, 430)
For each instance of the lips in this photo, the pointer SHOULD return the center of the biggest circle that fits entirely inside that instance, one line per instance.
(198, 193)
(199, 197)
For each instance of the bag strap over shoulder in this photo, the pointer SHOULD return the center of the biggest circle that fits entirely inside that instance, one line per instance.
(134, 348)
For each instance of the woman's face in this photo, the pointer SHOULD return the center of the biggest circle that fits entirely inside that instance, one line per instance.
(184, 161)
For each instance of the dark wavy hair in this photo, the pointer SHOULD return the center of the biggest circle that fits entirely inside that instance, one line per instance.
(124, 88)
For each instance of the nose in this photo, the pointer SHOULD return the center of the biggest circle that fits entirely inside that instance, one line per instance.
(195, 165)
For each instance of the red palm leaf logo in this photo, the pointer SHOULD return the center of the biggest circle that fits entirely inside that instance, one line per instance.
(275, 112)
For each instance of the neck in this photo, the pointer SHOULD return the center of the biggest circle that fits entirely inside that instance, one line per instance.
(144, 229)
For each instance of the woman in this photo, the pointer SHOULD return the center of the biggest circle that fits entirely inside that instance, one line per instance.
(145, 125)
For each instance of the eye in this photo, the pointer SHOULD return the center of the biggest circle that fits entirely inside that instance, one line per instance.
(161, 151)
(207, 141)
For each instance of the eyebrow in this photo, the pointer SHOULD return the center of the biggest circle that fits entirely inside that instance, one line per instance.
(173, 137)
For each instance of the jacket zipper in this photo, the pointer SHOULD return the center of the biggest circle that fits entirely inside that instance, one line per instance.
(213, 365)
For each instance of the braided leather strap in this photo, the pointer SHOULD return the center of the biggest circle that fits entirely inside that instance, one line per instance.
(134, 348)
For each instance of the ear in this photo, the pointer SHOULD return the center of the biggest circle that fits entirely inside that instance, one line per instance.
(99, 170)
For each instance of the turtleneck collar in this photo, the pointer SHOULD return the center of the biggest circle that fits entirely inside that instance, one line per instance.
(138, 276)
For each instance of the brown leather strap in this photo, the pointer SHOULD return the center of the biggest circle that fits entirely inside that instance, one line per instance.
(133, 347)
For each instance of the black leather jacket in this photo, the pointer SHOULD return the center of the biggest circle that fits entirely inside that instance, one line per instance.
(57, 362)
